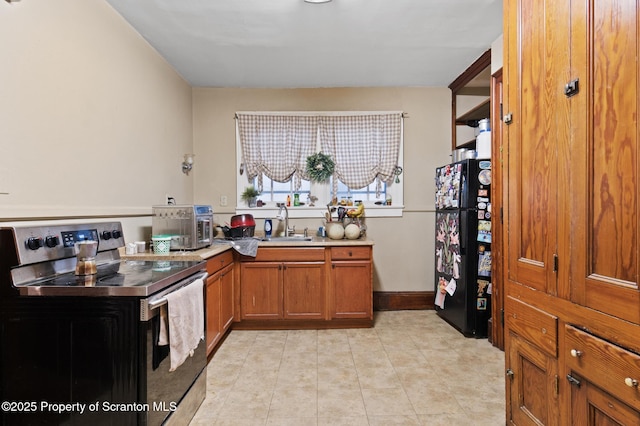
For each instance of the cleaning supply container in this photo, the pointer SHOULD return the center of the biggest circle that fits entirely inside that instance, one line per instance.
(161, 244)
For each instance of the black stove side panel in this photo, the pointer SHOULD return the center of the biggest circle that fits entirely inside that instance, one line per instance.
(68, 350)
(8, 260)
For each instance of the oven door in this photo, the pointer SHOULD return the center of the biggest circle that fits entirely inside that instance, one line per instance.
(170, 395)
(204, 231)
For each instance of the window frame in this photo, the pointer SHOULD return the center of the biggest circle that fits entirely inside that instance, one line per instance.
(321, 190)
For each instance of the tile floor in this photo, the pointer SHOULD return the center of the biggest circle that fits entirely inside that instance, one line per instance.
(412, 368)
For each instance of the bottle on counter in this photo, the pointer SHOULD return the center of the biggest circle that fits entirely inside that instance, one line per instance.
(288, 200)
(296, 199)
(267, 227)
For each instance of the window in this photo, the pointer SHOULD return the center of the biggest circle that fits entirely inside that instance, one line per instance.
(374, 196)
(367, 194)
(278, 191)
(273, 191)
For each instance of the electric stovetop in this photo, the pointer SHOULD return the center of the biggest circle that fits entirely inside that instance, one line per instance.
(136, 278)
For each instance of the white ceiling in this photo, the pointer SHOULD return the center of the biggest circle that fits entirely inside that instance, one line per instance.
(293, 44)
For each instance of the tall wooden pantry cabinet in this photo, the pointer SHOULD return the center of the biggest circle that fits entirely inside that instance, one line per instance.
(571, 214)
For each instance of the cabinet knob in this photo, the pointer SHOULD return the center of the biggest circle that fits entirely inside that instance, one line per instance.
(350, 254)
(576, 353)
(632, 383)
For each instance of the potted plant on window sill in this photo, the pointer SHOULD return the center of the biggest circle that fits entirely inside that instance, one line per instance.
(250, 195)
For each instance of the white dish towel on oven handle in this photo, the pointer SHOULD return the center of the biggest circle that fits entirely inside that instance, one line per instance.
(185, 309)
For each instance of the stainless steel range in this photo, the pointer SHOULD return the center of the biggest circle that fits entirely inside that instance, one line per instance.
(79, 345)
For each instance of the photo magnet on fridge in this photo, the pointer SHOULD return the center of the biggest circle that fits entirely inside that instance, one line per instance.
(483, 286)
(482, 304)
(484, 264)
(484, 231)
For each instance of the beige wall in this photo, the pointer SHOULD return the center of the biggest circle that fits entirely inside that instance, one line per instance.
(92, 120)
(94, 123)
(403, 253)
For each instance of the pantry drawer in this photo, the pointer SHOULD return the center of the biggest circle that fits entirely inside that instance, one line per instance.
(537, 327)
(604, 364)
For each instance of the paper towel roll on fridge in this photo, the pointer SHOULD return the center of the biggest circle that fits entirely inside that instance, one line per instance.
(483, 145)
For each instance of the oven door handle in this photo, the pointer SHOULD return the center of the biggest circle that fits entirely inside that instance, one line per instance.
(154, 302)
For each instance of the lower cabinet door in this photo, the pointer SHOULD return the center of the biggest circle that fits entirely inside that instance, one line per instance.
(591, 406)
(226, 297)
(261, 290)
(532, 384)
(352, 290)
(214, 331)
(304, 290)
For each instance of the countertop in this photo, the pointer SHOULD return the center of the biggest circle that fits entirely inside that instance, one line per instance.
(219, 247)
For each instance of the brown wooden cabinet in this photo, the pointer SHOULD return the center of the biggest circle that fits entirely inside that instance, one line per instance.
(591, 406)
(603, 194)
(212, 294)
(572, 234)
(537, 68)
(351, 289)
(351, 282)
(261, 290)
(532, 366)
(470, 101)
(304, 290)
(329, 286)
(532, 381)
(603, 378)
(227, 284)
(595, 365)
(284, 283)
(219, 298)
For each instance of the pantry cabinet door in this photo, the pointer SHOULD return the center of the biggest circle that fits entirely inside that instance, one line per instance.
(532, 385)
(592, 406)
(604, 183)
(537, 67)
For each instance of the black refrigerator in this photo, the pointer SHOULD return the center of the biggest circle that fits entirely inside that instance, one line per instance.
(463, 246)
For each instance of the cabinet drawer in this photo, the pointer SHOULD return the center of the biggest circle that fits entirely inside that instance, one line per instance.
(305, 254)
(220, 261)
(536, 326)
(350, 253)
(604, 364)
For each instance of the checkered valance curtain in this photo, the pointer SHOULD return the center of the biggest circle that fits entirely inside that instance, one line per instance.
(365, 148)
(277, 145)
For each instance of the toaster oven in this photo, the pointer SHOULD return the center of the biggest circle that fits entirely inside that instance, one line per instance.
(190, 226)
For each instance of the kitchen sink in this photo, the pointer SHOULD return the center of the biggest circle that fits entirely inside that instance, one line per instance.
(289, 238)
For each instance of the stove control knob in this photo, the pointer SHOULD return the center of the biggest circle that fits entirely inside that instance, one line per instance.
(116, 233)
(106, 235)
(51, 241)
(34, 243)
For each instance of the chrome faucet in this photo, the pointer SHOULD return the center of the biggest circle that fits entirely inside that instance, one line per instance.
(287, 231)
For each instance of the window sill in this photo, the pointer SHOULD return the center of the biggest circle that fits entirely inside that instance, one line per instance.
(304, 212)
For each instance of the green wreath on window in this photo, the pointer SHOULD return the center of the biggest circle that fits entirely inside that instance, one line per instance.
(319, 167)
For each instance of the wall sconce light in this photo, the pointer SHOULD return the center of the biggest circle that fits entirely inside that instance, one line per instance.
(187, 164)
